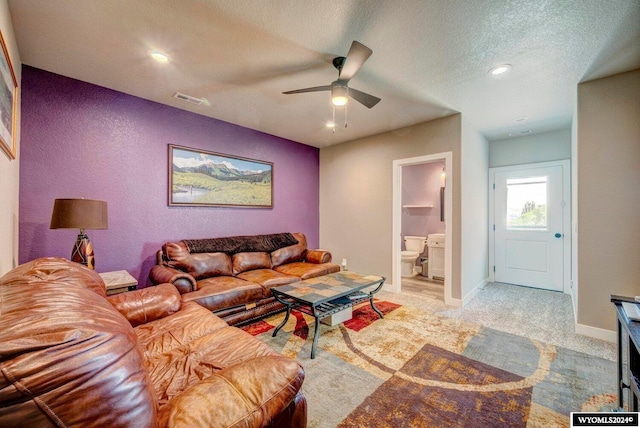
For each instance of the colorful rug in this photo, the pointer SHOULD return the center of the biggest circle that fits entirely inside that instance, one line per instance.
(415, 368)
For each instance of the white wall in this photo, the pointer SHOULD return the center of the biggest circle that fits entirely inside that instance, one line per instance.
(608, 171)
(356, 194)
(543, 147)
(574, 211)
(474, 175)
(356, 184)
(9, 169)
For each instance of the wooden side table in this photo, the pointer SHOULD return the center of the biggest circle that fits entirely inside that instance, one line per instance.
(118, 281)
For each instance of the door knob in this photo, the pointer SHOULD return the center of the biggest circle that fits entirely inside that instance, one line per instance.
(558, 235)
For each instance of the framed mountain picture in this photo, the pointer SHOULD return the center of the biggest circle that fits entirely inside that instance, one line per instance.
(202, 178)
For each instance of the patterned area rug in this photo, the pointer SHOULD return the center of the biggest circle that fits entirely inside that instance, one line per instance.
(415, 368)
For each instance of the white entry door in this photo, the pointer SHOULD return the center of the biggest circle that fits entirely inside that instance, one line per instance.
(529, 235)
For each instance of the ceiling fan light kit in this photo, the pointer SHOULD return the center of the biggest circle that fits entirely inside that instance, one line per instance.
(347, 68)
(339, 94)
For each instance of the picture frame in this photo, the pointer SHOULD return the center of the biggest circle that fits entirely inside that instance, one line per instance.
(202, 178)
(8, 102)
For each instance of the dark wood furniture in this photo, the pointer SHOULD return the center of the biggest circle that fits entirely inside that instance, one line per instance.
(628, 355)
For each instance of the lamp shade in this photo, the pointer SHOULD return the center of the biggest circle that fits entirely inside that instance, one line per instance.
(79, 214)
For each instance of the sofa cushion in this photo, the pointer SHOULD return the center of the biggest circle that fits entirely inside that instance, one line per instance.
(305, 270)
(253, 393)
(191, 345)
(268, 278)
(292, 253)
(198, 265)
(162, 335)
(243, 262)
(222, 292)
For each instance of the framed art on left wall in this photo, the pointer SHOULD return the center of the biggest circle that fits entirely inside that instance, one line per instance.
(8, 102)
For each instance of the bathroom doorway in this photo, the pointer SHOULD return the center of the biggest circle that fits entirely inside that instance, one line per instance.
(422, 201)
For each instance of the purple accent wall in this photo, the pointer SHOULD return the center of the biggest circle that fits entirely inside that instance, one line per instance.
(82, 140)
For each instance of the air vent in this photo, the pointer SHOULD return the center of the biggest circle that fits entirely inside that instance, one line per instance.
(188, 98)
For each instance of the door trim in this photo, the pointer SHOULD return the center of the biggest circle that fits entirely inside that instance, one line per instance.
(396, 240)
(566, 215)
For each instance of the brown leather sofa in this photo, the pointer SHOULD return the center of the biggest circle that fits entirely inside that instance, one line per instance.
(232, 277)
(71, 356)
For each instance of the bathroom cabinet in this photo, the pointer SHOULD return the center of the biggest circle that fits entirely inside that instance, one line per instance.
(436, 263)
(435, 243)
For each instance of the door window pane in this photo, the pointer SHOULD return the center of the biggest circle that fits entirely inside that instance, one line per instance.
(527, 203)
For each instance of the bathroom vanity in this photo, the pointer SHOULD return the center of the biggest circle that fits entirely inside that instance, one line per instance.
(435, 243)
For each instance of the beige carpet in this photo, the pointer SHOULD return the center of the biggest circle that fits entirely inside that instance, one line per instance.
(420, 366)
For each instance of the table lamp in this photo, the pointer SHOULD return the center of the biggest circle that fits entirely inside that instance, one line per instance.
(80, 214)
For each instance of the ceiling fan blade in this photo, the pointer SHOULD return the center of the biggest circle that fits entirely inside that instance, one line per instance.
(363, 98)
(314, 89)
(358, 54)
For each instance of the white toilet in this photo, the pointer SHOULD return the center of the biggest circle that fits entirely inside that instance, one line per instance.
(414, 247)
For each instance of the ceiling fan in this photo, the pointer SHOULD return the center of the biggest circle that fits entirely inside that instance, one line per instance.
(347, 68)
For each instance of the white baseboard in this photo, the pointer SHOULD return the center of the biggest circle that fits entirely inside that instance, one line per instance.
(390, 287)
(450, 301)
(597, 333)
(456, 303)
(472, 294)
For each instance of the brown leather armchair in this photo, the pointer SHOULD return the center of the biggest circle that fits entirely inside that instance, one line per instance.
(70, 356)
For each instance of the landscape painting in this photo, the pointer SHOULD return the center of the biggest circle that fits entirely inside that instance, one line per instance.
(202, 178)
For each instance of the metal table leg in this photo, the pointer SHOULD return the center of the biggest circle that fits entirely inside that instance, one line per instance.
(371, 298)
(316, 329)
(286, 318)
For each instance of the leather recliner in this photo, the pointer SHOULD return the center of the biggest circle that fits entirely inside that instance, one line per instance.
(71, 356)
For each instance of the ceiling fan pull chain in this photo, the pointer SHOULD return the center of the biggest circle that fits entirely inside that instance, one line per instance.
(345, 115)
(333, 128)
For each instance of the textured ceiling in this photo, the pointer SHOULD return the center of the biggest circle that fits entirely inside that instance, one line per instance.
(430, 57)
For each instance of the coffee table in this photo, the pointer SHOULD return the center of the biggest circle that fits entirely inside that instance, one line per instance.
(326, 295)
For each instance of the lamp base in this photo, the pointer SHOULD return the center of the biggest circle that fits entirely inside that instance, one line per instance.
(83, 251)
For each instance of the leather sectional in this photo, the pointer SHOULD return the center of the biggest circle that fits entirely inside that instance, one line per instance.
(71, 356)
(232, 277)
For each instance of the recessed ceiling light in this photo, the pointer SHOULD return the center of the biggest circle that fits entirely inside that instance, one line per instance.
(500, 69)
(330, 125)
(159, 56)
(521, 119)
